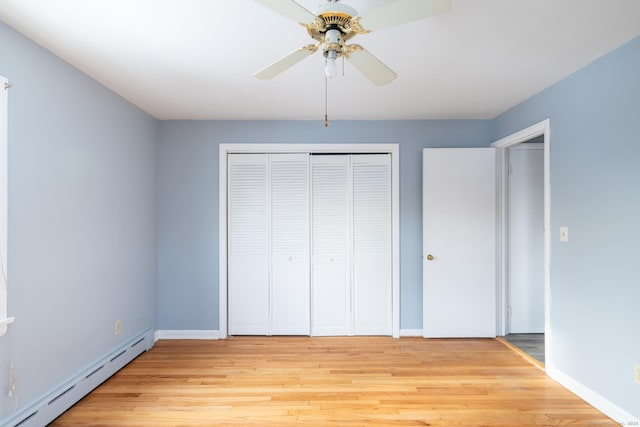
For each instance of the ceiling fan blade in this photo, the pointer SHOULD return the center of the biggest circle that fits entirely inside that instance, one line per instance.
(370, 66)
(280, 65)
(289, 9)
(401, 11)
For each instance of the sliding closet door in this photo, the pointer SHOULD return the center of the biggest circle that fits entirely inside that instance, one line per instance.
(372, 313)
(290, 244)
(331, 244)
(248, 237)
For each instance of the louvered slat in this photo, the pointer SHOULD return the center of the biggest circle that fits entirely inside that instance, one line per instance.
(330, 205)
(290, 204)
(248, 205)
(372, 204)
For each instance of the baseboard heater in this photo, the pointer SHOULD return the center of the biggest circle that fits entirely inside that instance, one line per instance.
(62, 398)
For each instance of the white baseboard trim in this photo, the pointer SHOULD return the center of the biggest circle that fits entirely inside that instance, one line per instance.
(53, 404)
(410, 332)
(172, 334)
(594, 399)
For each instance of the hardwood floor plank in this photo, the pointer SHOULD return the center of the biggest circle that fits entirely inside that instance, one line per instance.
(324, 381)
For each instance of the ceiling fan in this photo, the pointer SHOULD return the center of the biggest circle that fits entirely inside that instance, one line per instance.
(333, 24)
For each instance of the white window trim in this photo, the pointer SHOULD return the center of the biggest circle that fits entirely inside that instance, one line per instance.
(4, 319)
(393, 149)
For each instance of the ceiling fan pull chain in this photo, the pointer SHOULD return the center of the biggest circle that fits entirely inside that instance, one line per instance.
(326, 115)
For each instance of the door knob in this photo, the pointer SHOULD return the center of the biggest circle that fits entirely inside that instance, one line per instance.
(429, 257)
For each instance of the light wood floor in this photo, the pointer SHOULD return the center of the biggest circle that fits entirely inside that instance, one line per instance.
(274, 381)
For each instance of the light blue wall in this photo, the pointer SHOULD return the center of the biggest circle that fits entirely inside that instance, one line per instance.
(595, 191)
(188, 201)
(82, 228)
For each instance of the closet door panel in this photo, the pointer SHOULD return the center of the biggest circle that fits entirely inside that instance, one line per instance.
(290, 244)
(331, 311)
(372, 290)
(330, 228)
(248, 237)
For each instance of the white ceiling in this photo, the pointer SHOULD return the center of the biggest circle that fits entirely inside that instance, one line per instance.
(195, 59)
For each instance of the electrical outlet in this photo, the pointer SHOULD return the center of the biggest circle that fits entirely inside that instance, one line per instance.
(637, 374)
(118, 327)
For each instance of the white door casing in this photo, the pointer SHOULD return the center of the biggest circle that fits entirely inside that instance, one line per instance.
(459, 217)
(224, 265)
(542, 128)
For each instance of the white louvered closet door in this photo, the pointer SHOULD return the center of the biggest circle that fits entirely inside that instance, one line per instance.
(331, 244)
(372, 293)
(276, 286)
(351, 244)
(248, 237)
(290, 244)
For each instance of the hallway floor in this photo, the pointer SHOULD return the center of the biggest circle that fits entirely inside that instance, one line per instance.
(532, 344)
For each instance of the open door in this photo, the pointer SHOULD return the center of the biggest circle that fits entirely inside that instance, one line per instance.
(459, 242)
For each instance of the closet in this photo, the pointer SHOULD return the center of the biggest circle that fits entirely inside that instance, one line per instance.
(309, 244)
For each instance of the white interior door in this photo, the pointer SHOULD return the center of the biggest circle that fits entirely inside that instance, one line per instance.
(525, 237)
(248, 237)
(459, 242)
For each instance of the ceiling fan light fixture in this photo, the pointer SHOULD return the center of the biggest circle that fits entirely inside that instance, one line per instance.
(331, 69)
(332, 51)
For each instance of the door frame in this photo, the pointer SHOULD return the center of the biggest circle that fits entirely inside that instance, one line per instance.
(540, 128)
(392, 149)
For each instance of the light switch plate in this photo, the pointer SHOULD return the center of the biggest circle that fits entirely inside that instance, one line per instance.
(564, 234)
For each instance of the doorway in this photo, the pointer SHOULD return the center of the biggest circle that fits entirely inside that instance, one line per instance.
(525, 247)
(540, 342)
